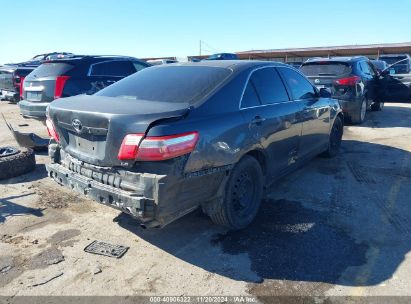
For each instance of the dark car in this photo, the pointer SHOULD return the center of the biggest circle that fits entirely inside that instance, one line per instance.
(223, 56)
(72, 76)
(171, 138)
(11, 78)
(38, 59)
(354, 81)
(379, 65)
(401, 62)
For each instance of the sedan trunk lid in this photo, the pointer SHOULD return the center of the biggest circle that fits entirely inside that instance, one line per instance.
(92, 128)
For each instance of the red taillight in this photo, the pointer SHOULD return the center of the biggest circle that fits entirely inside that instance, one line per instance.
(52, 130)
(129, 147)
(155, 148)
(60, 82)
(16, 79)
(21, 87)
(349, 81)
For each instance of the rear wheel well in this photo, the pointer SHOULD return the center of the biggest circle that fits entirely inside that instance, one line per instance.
(260, 157)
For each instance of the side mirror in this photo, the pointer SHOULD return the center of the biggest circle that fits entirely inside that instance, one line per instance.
(325, 93)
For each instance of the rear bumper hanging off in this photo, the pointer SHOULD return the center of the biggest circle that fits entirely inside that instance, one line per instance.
(36, 110)
(138, 206)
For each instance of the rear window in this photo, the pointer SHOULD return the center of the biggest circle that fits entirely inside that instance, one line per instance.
(391, 60)
(186, 84)
(325, 69)
(51, 69)
(22, 73)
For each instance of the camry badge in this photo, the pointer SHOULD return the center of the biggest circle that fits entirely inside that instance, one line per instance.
(77, 125)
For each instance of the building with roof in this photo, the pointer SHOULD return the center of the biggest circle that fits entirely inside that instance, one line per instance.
(302, 54)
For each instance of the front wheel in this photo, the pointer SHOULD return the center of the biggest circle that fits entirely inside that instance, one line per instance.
(335, 138)
(242, 196)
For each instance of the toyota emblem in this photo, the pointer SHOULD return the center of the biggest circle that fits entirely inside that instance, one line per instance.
(77, 125)
(317, 81)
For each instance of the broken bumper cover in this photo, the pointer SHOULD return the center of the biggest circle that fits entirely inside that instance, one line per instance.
(138, 206)
(36, 110)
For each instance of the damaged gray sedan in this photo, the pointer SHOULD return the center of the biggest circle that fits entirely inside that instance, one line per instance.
(169, 139)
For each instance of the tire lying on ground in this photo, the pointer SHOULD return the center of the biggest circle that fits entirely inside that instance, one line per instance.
(16, 161)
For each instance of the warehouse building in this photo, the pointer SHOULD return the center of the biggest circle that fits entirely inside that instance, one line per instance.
(299, 55)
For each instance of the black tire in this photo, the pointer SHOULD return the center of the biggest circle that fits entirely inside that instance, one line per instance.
(358, 117)
(243, 195)
(336, 134)
(17, 163)
(377, 106)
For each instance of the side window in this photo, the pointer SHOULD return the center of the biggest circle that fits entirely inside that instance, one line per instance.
(269, 86)
(138, 66)
(371, 68)
(250, 98)
(364, 67)
(120, 68)
(300, 87)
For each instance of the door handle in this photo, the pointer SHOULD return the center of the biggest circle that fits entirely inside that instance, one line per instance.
(258, 120)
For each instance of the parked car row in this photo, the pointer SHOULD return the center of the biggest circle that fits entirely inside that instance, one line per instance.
(71, 76)
(11, 79)
(12, 74)
(357, 84)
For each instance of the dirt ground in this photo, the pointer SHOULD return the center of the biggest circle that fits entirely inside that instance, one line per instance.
(334, 227)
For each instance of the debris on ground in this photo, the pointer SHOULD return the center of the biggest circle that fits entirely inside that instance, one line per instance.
(47, 280)
(102, 248)
(47, 257)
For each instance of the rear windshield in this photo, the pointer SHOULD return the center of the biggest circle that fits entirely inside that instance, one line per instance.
(165, 83)
(325, 69)
(391, 60)
(51, 69)
(23, 72)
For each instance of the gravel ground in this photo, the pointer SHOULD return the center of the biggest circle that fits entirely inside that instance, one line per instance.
(335, 227)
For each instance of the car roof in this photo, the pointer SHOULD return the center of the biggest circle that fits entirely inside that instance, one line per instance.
(92, 58)
(338, 59)
(230, 64)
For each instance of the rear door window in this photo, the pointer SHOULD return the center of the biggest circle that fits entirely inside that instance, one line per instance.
(299, 86)
(120, 68)
(269, 86)
(325, 69)
(250, 98)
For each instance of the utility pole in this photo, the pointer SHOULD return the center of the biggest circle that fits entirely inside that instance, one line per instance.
(200, 47)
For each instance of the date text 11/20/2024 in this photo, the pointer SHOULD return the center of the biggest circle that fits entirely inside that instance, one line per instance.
(203, 299)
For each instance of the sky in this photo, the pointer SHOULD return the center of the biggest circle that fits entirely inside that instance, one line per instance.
(174, 28)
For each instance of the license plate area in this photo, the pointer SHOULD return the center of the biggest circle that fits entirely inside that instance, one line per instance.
(33, 96)
(88, 145)
(84, 145)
